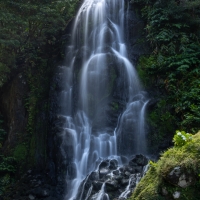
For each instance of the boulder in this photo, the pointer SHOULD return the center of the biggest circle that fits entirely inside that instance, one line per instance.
(180, 177)
(113, 164)
(97, 185)
(111, 185)
(139, 160)
(40, 192)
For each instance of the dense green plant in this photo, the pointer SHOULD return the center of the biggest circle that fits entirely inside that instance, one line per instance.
(181, 138)
(4, 182)
(7, 169)
(7, 164)
(31, 43)
(27, 28)
(172, 69)
(20, 152)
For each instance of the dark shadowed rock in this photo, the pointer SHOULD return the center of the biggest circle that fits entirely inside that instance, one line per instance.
(139, 160)
(111, 185)
(97, 185)
(40, 192)
(113, 164)
(180, 177)
(116, 172)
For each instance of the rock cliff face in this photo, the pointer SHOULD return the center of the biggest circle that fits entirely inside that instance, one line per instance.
(12, 108)
(135, 35)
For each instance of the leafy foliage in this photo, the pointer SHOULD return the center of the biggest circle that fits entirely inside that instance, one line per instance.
(7, 169)
(20, 152)
(7, 164)
(181, 138)
(173, 31)
(4, 181)
(31, 44)
(27, 29)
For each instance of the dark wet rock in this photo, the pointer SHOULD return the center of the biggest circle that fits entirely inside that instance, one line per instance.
(95, 197)
(124, 159)
(113, 180)
(51, 198)
(104, 164)
(103, 172)
(180, 177)
(97, 185)
(138, 169)
(139, 160)
(118, 178)
(116, 172)
(122, 198)
(173, 176)
(124, 182)
(111, 185)
(40, 192)
(72, 170)
(113, 164)
(93, 176)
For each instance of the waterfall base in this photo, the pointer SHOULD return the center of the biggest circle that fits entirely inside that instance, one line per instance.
(111, 181)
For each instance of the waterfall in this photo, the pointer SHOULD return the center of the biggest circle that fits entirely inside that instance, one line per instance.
(97, 70)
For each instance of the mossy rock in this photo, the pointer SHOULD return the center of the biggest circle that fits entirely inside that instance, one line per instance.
(20, 152)
(156, 184)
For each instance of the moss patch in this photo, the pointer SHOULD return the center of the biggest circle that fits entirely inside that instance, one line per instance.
(20, 152)
(155, 181)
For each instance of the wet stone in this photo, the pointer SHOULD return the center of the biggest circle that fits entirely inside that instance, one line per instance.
(113, 164)
(93, 176)
(40, 192)
(140, 160)
(124, 181)
(138, 169)
(127, 173)
(118, 178)
(121, 169)
(97, 185)
(111, 186)
(104, 171)
(104, 164)
(116, 172)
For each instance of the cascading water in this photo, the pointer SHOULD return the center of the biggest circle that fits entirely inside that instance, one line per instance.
(97, 63)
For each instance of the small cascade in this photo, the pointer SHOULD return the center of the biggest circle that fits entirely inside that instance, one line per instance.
(102, 102)
(133, 180)
(101, 195)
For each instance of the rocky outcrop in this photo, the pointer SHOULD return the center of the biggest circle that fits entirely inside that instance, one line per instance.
(180, 178)
(12, 107)
(174, 176)
(34, 186)
(135, 35)
(113, 180)
(110, 179)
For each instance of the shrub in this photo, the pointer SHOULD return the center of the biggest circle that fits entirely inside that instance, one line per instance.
(181, 138)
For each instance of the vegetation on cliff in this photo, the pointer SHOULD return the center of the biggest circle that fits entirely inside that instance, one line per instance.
(29, 33)
(176, 174)
(172, 70)
(32, 40)
(171, 73)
